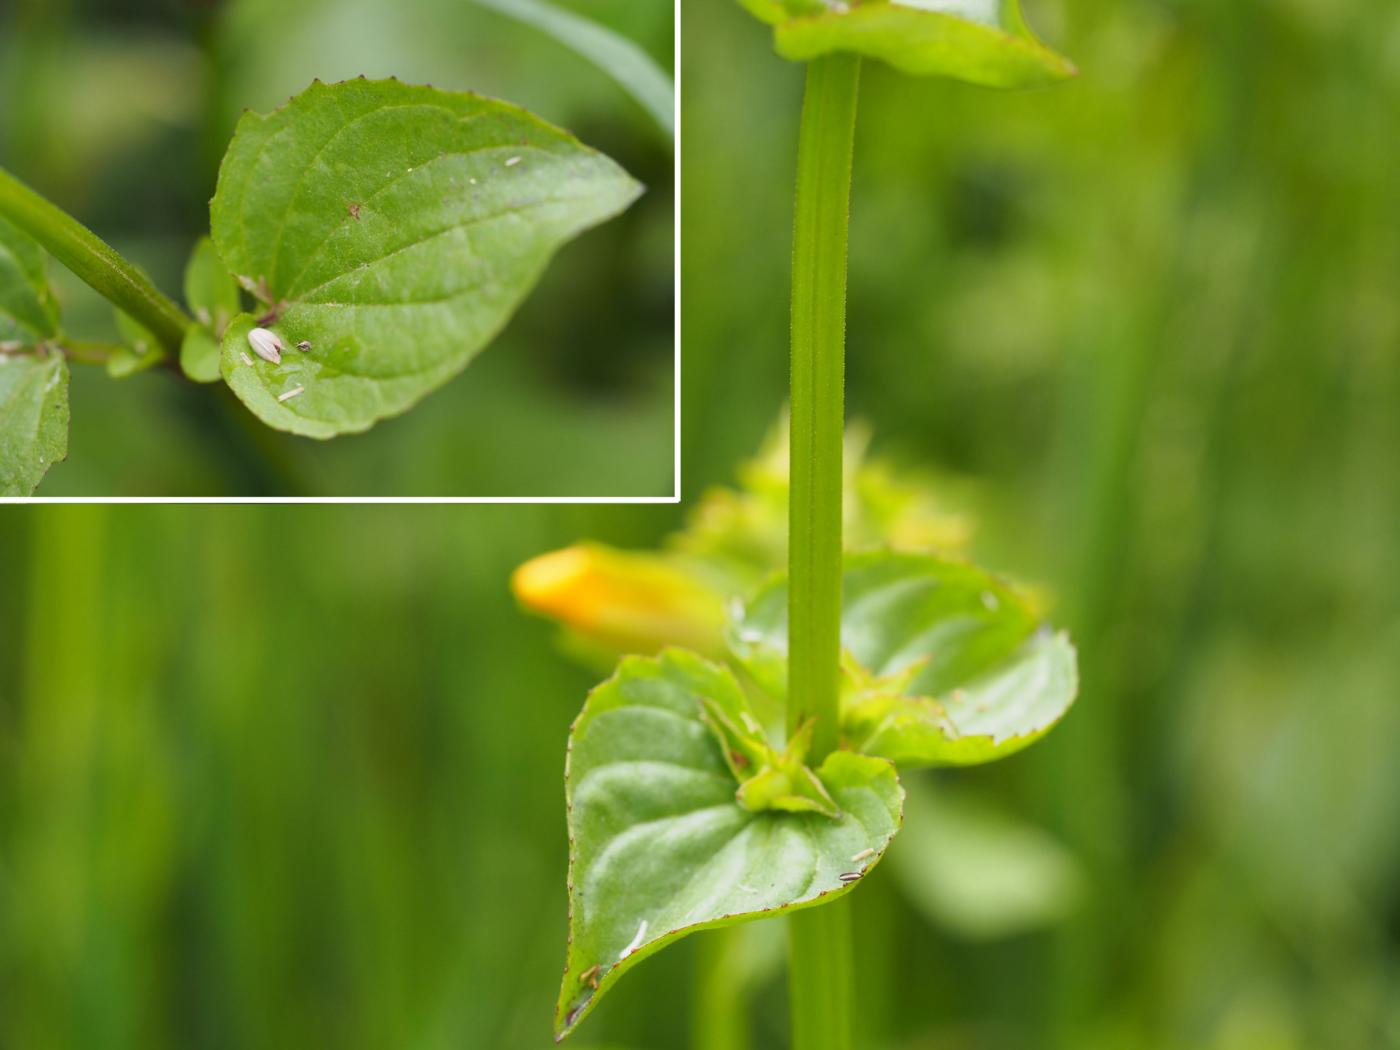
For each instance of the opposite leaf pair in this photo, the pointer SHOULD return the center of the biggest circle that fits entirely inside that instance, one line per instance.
(683, 815)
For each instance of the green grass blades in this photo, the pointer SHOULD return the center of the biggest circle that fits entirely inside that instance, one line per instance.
(980, 41)
(620, 58)
(33, 375)
(659, 846)
(946, 664)
(392, 231)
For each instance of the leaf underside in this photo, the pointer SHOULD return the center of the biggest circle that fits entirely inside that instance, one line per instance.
(33, 375)
(395, 229)
(956, 668)
(980, 41)
(659, 847)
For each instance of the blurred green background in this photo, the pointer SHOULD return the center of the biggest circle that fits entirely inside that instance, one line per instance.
(291, 776)
(120, 111)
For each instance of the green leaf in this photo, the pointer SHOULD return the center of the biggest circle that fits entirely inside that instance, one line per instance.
(200, 354)
(620, 58)
(978, 870)
(211, 293)
(659, 846)
(33, 375)
(28, 311)
(395, 229)
(947, 664)
(138, 351)
(33, 419)
(981, 41)
(210, 290)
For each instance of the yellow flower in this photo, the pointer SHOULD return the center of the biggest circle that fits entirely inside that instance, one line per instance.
(623, 602)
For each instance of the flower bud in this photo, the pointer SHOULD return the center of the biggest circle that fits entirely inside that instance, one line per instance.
(622, 602)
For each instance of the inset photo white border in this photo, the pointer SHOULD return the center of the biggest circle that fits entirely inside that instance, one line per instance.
(673, 498)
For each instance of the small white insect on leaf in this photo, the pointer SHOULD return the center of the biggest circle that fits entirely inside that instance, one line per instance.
(291, 393)
(266, 345)
(246, 359)
(512, 162)
(304, 345)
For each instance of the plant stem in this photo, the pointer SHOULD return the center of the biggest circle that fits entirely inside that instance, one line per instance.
(824, 156)
(820, 978)
(819, 939)
(720, 1018)
(88, 351)
(94, 260)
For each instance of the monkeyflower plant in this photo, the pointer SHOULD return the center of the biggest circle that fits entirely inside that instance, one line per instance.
(760, 775)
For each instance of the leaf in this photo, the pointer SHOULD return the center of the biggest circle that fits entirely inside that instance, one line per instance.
(211, 293)
(138, 350)
(978, 870)
(394, 229)
(199, 354)
(210, 290)
(28, 311)
(33, 375)
(947, 664)
(621, 59)
(33, 418)
(980, 41)
(660, 848)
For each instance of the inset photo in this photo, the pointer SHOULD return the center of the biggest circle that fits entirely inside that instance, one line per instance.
(338, 250)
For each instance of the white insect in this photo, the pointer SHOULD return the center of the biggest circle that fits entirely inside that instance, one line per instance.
(266, 345)
(290, 393)
(636, 941)
(512, 162)
(246, 359)
(862, 855)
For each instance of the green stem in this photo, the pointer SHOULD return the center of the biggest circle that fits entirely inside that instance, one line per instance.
(820, 977)
(88, 351)
(720, 1020)
(94, 260)
(819, 939)
(824, 158)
